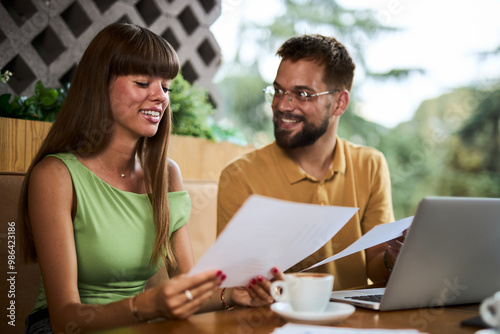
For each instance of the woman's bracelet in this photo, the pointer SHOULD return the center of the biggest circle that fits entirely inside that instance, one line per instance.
(386, 262)
(134, 309)
(223, 301)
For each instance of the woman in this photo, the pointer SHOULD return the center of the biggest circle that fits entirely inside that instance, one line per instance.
(103, 207)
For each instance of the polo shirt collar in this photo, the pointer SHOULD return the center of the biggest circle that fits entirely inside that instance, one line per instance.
(295, 174)
(338, 163)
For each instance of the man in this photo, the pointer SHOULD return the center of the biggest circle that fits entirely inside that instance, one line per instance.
(309, 163)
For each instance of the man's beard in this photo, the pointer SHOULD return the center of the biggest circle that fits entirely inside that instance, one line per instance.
(307, 136)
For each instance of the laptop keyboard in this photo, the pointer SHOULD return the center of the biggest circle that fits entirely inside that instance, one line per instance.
(368, 298)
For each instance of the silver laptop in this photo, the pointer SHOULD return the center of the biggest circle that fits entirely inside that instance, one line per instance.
(451, 256)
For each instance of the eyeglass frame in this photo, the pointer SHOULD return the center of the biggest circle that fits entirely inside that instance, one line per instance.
(266, 91)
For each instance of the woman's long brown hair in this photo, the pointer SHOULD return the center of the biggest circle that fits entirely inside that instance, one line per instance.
(85, 120)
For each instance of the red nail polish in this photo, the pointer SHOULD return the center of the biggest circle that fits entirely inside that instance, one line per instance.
(219, 273)
(275, 270)
(249, 287)
(223, 277)
(253, 281)
(259, 278)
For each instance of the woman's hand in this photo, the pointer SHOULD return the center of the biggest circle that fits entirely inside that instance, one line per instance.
(256, 293)
(182, 296)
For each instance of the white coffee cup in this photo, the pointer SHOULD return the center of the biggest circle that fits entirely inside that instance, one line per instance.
(306, 292)
(490, 310)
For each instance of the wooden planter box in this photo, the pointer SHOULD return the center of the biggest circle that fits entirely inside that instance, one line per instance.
(19, 141)
(198, 158)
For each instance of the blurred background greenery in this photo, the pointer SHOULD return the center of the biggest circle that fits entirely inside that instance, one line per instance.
(450, 146)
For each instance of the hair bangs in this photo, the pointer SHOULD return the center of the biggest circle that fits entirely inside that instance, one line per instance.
(146, 54)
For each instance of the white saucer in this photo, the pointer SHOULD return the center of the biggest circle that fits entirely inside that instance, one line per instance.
(335, 312)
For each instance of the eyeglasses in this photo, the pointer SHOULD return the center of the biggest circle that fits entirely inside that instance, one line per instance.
(302, 96)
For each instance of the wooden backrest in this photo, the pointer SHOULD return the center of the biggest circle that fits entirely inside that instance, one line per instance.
(202, 223)
(21, 281)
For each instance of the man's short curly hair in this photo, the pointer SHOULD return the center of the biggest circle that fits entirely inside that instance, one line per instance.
(327, 51)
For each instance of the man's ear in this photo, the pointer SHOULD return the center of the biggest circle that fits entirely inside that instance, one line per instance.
(342, 102)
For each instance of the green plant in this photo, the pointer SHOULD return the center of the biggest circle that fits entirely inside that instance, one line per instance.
(191, 109)
(43, 105)
(192, 114)
(5, 76)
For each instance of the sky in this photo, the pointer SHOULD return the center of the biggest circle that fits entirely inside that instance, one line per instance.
(442, 37)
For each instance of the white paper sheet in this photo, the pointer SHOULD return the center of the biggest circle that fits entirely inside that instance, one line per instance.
(267, 233)
(291, 328)
(376, 236)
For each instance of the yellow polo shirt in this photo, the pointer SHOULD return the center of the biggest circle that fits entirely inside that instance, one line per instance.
(358, 177)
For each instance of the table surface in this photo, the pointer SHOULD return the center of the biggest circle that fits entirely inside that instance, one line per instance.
(264, 320)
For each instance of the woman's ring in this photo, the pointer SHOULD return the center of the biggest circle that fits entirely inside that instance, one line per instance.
(189, 295)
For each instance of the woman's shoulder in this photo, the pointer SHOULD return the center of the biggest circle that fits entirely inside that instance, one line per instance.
(173, 167)
(51, 170)
(49, 165)
(174, 177)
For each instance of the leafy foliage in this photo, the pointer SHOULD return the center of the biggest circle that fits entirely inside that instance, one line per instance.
(449, 148)
(5, 76)
(481, 130)
(396, 73)
(190, 109)
(192, 114)
(243, 96)
(42, 106)
(353, 27)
